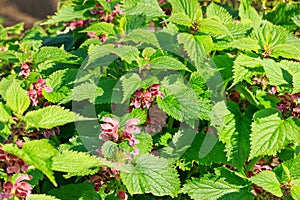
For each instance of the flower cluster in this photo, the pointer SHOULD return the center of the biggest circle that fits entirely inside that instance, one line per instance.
(107, 16)
(25, 70)
(288, 105)
(77, 23)
(11, 163)
(104, 176)
(110, 130)
(35, 92)
(19, 189)
(144, 99)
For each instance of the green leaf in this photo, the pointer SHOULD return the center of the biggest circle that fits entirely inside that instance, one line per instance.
(181, 141)
(191, 8)
(275, 72)
(150, 174)
(213, 27)
(87, 195)
(49, 117)
(75, 163)
(245, 67)
(167, 63)
(283, 14)
(209, 189)
(41, 196)
(285, 51)
(145, 143)
(88, 91)
(51, 54)
(5, 83)
(97, 55)
(235, 135)
(127, 53)
(130, 83)
(240, 29)
(17, 99)
(199, 85)
(182, 103)
(65, 14)
(247, 44)
(107, 85)
(5, 114)
(38, 153)
(295, 191)
(205, 150)
(100, 28)
(217, 12)
(206, 41)
(269, 35)
(133, 22)
(296, 20)
(270, 134)
(72, 191)
(143, 36)
(150, 8)
(268, 181)
(248, 13)
(193, 48)
(181, 19)
(296, 82)
(293, 167)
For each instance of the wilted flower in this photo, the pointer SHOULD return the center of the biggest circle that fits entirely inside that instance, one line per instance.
(156, 120)
(122, 195)
(288, 105)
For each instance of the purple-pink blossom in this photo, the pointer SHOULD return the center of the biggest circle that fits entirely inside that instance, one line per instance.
(109, 129)
(25, 70)
(20, 189)
(35, 93)
(144, 99)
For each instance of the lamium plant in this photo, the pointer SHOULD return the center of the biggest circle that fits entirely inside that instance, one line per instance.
(169, 99)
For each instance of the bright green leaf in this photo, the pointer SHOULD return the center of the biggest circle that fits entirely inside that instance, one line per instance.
(17, 99)
(268, 181)
(150, 174)
(75, 163)
(49, 117)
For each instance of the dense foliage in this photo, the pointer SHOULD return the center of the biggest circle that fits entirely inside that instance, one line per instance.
(139, 99)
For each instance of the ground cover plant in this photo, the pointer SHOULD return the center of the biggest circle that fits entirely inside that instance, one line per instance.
(146, 99)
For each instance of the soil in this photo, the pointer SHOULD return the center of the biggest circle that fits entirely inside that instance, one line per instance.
(27, 11)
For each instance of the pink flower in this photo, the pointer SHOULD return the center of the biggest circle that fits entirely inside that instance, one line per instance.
(144, 99)
(92, 34)
(20, 189)
(37, 91)
(25, 70)
(154, 90)
(109, 129)
(130, 130)
(131, 126)
(23, 189)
